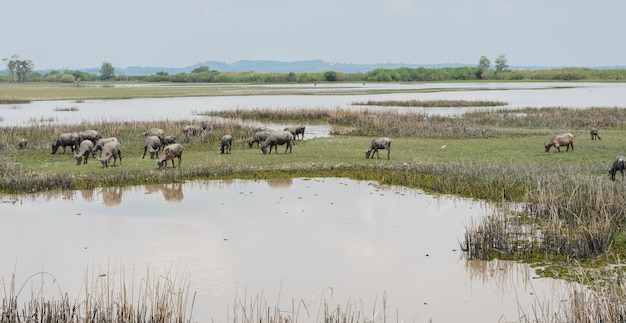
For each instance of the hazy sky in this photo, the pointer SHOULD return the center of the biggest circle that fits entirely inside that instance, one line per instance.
(164, 33)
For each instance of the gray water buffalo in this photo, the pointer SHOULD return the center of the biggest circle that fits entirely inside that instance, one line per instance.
(277, 138)
(100, 143)
(296, 131)
(154, 132)
(168, 140)
(258, 137)
(226, 144)
(378, 143)
(71, 139)
(562, 140)
(22, 143)
(111, 149)
(594, 134)
(193, 130)
(92, 135)
(619, 164)
(153, 145)
(169, 153)
(85, 148)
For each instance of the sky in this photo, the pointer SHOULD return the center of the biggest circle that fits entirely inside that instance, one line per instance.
(76, 34)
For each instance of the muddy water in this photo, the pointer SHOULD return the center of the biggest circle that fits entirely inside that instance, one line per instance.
(517, 95)
(332, 240)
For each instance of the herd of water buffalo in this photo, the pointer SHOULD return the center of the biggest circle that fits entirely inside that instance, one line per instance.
(89, 142)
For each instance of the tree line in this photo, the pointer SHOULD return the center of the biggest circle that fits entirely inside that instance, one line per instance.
(23, 71)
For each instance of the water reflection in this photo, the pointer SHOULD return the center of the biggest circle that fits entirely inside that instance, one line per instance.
(285, 240)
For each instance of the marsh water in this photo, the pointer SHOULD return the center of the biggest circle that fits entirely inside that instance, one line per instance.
(314, 240)
(322, 96)
(309, 241)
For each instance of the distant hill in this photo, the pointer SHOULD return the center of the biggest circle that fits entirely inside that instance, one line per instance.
(268, 66)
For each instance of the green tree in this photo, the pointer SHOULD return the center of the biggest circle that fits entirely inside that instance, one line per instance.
(107, 71)
(501, 64)
(18, 69)
(201, 69)
(484, 64)
(330, 76)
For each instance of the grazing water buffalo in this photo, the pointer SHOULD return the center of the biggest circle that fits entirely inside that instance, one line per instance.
(258, 137)
(168, 140)
(619, 164)
(594, 134)
(100, 143)
(192, 130)
(111, 149)
(565, 139)
(71, 139)
(22, 143)
(169, 153)
(278, 138)
(92, 135)
(86, 147)
(226, 143)
(154, 132)
(296, 131)
(153, 145)
(378, 143)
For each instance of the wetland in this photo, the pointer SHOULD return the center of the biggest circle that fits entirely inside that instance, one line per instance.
(493, 155)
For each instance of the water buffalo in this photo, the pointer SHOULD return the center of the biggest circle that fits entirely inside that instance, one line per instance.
(565, 139)
(22, 143)
(378, 143)
(168, 140)
(226, 144)
(71, 139)
(296, 131)
(111, 149)
(154, 132)
(153, 145)
(100, 143)
(85, 148)
(619, 164)
(192, 130)
(278, 138)
(258, 137)
(169, 153)
(594, 134)
(92, 135)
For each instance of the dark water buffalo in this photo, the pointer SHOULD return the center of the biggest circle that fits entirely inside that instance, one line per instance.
(296, 131)
(193, 130)
(562, 140)
(92, 135)
(226, 144)
(71, 139)
(258, 137)
(594, 134)
(619, 164)
(278, 138)
(22, 143)
(169, 153)
(378, 143)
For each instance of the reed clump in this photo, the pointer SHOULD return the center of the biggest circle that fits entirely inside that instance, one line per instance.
(159, 298)
(434, 103)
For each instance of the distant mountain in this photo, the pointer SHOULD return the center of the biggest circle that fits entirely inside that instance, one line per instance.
(311, 66)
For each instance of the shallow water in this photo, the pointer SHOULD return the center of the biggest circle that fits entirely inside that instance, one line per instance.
(332, 240)
(517, 95)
